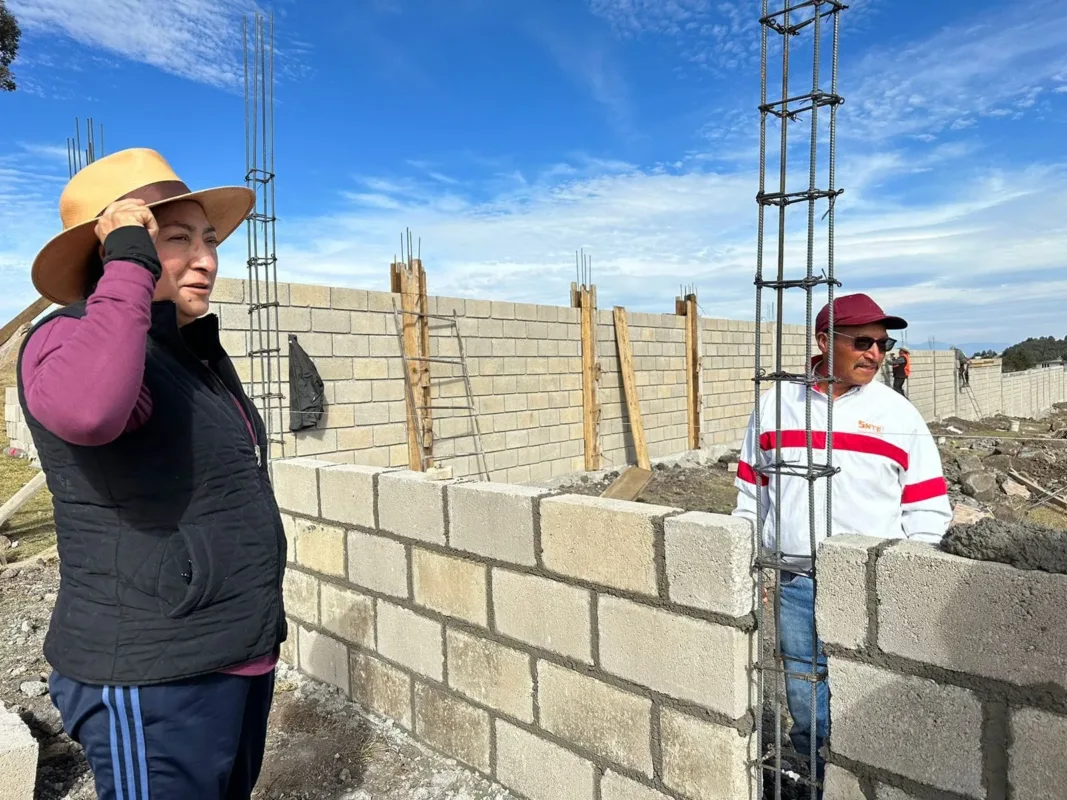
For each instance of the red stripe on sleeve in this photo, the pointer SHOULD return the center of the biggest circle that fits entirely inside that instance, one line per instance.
(853, 442)
(924, 490)
(749, 475)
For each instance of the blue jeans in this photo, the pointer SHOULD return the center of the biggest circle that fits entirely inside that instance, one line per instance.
(795, 630)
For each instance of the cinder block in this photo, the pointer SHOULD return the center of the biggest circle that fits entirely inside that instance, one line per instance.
(301, 594)
(709, 562)
(941, 726)
(609, 542)
(972, 616)
(348, 299)
(319, 547)
(450, 586)
(296, 484)
(614, 724)
(347, 492)
(1035, 761)
(381, 688)
(539, 769)
(562, 623)
(411, 639)
(452, 726)
(494, 675)
(704, 761)
(614, 786)
(841, 602)
(306, 294)
(349, 615)
(840, 784)
(411, 505)
(327, 320)
(378, 563)
(495, 520)
(323, 658)
(18, 757)
(688, 659)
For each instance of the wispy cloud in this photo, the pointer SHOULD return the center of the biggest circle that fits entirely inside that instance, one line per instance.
(195, 39)
(998, 64)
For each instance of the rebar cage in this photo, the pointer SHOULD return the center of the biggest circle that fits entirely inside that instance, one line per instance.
(793, 28)
(264, 338)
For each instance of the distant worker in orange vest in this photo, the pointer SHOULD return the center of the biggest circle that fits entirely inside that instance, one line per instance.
(901, 365)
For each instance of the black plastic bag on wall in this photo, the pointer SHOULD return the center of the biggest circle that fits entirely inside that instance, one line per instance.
(307, 399)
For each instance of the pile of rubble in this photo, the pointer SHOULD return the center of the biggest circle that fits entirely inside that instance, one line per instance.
(1006, 468)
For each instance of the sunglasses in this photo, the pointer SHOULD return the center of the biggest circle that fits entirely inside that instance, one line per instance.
(861, 344)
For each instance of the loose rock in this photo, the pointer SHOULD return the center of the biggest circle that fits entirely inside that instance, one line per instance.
(33, 688)
(1013, 489)
(979, 485)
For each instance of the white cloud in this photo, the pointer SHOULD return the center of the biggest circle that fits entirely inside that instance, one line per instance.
(995, 64)
(195, 39)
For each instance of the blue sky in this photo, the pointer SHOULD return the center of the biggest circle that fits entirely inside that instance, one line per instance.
(509, 134)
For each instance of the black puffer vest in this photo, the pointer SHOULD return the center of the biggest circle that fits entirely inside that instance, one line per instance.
(171, 546)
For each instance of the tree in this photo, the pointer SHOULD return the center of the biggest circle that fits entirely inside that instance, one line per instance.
(9, 47)
(985, 354)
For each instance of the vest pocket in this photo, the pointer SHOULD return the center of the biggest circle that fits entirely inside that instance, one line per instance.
(188, 579)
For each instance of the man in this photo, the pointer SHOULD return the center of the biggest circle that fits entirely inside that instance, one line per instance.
(964, 368)
(901, 365)
(890, 483)
(167, 627)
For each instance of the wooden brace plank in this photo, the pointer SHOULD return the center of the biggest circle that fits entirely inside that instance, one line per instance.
(629, 383)
(21, 497)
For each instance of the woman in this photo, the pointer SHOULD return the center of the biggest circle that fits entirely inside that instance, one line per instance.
(169, 616)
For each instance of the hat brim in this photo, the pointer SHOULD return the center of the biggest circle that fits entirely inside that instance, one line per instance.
(60, 269)
(893, 323)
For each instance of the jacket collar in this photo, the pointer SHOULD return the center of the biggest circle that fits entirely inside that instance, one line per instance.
(201, 335)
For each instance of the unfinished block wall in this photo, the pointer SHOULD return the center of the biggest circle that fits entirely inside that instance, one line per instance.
(567, 647)
(946, 674)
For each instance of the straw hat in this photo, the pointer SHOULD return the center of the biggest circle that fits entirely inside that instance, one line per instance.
(59, 271)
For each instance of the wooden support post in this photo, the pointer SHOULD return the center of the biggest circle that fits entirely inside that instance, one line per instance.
(687, 307)
(629, 385)
(584, 298)
(409, 281)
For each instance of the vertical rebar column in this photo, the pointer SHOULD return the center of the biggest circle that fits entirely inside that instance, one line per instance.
(790, 21)
(264, 337)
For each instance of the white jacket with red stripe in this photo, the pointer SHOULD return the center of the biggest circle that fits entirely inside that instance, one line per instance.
(890, 484)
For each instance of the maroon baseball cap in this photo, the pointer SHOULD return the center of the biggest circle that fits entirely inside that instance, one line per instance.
(854, 310)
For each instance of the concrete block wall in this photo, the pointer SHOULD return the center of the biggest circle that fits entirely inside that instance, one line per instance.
(658, 344)
(729, 347)
(564, 646)
(930, 699)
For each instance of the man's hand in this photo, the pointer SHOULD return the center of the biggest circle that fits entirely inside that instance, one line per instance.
(126, 212)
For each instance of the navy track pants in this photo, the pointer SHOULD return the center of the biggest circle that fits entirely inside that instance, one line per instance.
(198, 739)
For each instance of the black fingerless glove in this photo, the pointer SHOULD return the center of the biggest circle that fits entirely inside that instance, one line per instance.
(132, 243)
